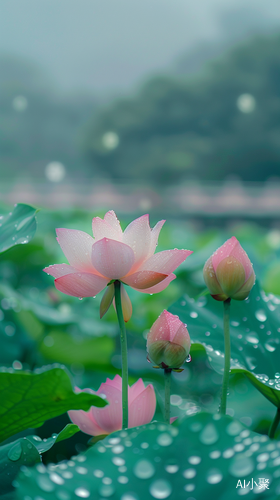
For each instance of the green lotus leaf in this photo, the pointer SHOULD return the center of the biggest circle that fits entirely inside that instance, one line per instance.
(12, 457)
(29, 399)
(206, 456)
(254, 332)
(18, 227)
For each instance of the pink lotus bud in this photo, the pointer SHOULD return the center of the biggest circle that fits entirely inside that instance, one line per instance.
(168, 341)
(228, 273)
(99, 421)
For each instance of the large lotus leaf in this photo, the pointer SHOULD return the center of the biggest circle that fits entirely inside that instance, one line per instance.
(204, 457)
(44, 445)
(254, 332)
(26, 451)
(19, 226)
(29, 399)
(12, 457)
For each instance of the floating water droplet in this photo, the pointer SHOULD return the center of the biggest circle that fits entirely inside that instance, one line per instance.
(252, 363)
(117, 449)
(160, 489)
(82, 492)
(56, 478)
(129, 496)
(193, 314)
(15, 452)
(164, 439)
(106, 490)
(194, 460)
(253, 339)
(214, 476)
(270, 345)
(234, 428)
(62, 495)
(215, 454)
(209, 434)
(189, 473)
(118, 461)
(98, 472)
(189, 358)
(263, 457)
(228, 453)
(44, 483)
(261, 315)
(241, 466)
(144, 469)
(81, 470)
(189, 487)
(123, 479)
(172, 469)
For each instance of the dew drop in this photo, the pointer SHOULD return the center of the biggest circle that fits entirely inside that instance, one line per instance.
(129, 496)
(252, 338)
(172, 469)
(98, 473)
(189, 473)
(15, 452)
(160, 489)
(189, 358)
(214, 476)
(270, 345)
(193, 314)
(241, 466)
(164, 439)
(144, 469)
(261, 315)
(234, 428)
(44, 483)
(106, 490)
(56, 478)
(62, 495)
(263, 457)
(82, 492)
(209, 434)
(118, 449)
(194, 460)
(118, 461)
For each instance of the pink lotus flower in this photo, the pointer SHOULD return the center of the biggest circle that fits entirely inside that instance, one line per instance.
(97, 421)
(228, 273)
(111, 255)
(168, 341)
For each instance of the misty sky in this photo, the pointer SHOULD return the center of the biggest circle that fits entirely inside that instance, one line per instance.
(102, 45)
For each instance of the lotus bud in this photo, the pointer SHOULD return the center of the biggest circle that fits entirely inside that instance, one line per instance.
(228, 273)
(168, 342)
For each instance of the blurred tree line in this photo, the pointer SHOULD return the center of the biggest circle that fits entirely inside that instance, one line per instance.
(221, 121)
(38, 124)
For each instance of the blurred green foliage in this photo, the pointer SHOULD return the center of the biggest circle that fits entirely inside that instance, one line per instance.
(222, 121)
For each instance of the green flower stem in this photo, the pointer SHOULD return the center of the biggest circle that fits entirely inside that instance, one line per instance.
(167, 380)
(118, 303)
(223, 406)
(274, 424)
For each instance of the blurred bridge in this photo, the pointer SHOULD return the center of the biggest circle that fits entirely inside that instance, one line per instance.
(222, 200)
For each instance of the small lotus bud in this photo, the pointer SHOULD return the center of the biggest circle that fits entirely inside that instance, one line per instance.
(228, 273)
(168, 341)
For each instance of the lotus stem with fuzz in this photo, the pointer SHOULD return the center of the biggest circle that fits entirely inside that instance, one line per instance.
(118, 302)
